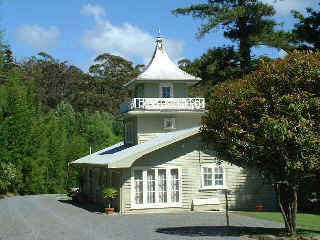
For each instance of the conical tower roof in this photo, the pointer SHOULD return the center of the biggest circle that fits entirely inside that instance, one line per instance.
(162, 68)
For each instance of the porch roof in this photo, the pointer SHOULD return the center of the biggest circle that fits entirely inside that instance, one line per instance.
(119, 156)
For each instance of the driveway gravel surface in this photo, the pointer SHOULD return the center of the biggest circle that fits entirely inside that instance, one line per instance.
(47, 217)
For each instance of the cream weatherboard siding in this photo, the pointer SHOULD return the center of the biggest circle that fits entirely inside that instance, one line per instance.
(180, 90)
(149, 127)
(248, 190)
(151, 90)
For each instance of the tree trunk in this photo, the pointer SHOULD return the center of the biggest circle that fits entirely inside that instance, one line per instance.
(288, 202)
(244, 46)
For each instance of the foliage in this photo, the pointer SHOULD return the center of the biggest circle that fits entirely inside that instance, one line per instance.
(245, 21)
(214, 66)
(111, 73)
(101, 90)
(269, 120)
(307, 30)
(7, 175)
(110, 194)
(54, 81)
(40, 135)
(304, 220)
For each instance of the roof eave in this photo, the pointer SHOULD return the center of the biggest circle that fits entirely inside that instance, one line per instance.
(148, 80)
(128, 161)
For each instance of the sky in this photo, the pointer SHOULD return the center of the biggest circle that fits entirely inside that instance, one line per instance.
(77, 31)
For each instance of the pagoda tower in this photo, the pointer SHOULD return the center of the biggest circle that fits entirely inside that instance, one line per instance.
(161, 103)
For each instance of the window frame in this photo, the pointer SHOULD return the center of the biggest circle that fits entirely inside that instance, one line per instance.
(157, 204)
(128, 128)
(140, 91)
(173, 123)
(170, 85)
(213, 186)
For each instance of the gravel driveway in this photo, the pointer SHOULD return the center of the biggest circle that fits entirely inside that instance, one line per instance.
(45, 217)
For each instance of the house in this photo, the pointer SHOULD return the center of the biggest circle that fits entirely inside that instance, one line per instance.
(162, 164)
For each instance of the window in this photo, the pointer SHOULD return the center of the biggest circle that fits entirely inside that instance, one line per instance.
(138, 187)
(156, 187)
(169, 123)
(175, 183)
(151, 186)
(129, 132)
(91, 181)
(212, 176)
(162, 185)
(139, 91)
(166, 90)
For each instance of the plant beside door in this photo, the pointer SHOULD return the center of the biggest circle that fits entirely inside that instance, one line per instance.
(109, 193)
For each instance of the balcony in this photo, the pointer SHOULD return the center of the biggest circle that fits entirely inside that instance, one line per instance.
(161, 104)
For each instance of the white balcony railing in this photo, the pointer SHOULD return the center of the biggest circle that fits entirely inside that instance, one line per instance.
(181, 104)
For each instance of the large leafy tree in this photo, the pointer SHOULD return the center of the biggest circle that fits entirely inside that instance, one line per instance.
(269, 120)
(55, 81)
(307, 30)
(246, 21)
(111, 73)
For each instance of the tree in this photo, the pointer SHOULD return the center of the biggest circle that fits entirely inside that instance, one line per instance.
(7, 61)
(17, 112)
(55, 81)
(111, 73)
(269, 120)
(214, 66)
(40, 129)
(307, 30)
(245, 21)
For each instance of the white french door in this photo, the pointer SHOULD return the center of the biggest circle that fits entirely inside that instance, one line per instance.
(156, 187)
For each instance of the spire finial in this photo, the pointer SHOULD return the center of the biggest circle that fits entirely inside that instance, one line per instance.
(159, 39)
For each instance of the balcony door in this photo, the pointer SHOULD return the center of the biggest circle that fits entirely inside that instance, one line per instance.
(166, 90)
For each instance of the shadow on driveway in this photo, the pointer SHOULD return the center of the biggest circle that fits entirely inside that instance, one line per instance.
(209, 231)
(90, 207)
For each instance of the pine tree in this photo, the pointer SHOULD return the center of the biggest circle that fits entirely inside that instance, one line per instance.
(307, 30)
(246, 21)
(214, 66)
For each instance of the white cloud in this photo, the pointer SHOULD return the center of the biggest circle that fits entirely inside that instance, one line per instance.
(284, 7)
(38, 37)
(93, 10)
(125, 40)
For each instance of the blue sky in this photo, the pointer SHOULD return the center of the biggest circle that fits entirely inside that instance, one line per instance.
(78, 30)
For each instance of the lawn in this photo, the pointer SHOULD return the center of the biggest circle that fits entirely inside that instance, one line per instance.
(308, 224)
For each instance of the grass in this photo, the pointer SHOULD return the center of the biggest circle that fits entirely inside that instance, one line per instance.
(308, 224)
